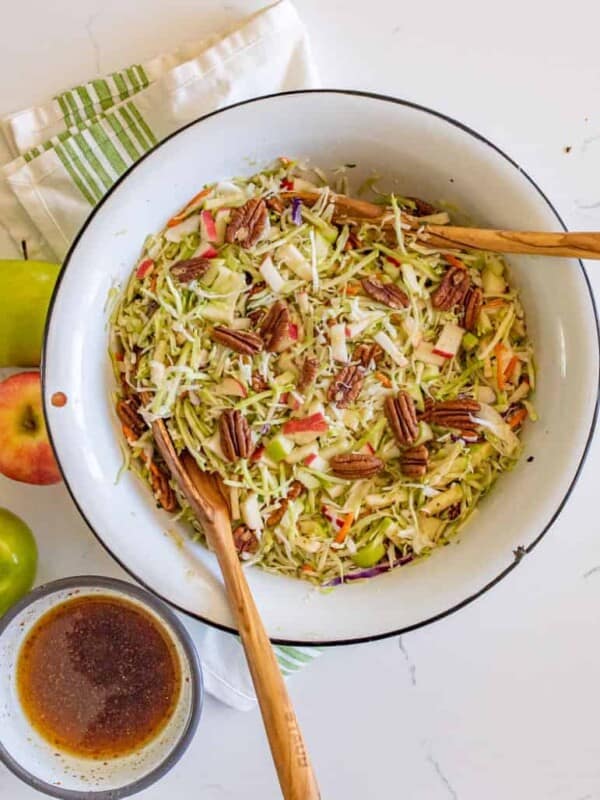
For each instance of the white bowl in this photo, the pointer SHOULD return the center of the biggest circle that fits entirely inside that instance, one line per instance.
(35, 760)
(424, 153)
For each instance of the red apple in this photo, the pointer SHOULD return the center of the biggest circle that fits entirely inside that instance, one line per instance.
(25, 452)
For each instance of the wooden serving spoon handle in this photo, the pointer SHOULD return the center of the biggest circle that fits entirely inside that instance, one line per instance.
(202, 491)
(567, 245)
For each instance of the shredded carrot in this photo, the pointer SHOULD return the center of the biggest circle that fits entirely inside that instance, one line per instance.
(517, 418)
(353, 289)
(384, 380)
(343, 531)
(493, 304)
(499, 351)
(510, 369)
(306, 568)
(153, 281)
(179, 216)
(454, 262)
(119, 356)
(129, 434)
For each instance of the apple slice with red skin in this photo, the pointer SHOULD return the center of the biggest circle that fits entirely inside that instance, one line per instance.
(25, 451)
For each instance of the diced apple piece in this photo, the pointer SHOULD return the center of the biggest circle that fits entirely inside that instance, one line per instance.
(384, 341)
(485, 394)
(316, 462)
(448, 343)
(208, 228)
(177, 232)
(294, 259)
(470, 341)
(271, 275)
(409, 276)
(337, 337)
(279, 448)
(304, 453)
(424, 352)
(206, 250)
(492, 283)
(303, 301)
(214, 444)
(308, 480)
(221, 220)
(251, 512)
(412, 330)
(231, 387)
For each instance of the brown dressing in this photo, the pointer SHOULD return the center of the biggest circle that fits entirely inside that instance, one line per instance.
(98, 677)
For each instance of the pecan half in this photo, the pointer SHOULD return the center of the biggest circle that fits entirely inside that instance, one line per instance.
(355, 465)
(295, 490)
(414, 461)
(346, 386)
(422, 207)
(367, 354)
(165, 496)
(452, 289)
(308, 373)
(244, 342)
(275, 517)
(453, 414)
(258, 383)
(256, 288)
(277, 514)
(275, 204)
(387, 293)
(472, 303)
(256, 317)
(402, 416)
(234, 433)
(189, 269)
(128, 413)
(247, 223)
(275, 326)
(352, 242)
(245, 540)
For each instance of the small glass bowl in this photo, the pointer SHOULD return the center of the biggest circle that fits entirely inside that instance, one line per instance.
(36, 761)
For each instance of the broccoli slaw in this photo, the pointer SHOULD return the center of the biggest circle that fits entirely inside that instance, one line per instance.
(368, 295)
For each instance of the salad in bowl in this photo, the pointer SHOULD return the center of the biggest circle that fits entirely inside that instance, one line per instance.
(357, 390)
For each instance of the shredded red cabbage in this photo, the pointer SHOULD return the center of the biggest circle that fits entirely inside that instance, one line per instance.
(361, 574)
(297, 211)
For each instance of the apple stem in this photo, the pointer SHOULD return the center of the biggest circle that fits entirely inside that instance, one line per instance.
(24, 250)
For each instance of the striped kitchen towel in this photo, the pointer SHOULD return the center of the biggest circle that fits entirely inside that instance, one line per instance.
(66, 153)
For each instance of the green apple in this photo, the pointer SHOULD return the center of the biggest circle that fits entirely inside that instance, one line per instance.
(18, 559)
(25, 291)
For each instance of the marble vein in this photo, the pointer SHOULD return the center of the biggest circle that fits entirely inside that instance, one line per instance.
(440, 773)
(591, 571)
(412, 669)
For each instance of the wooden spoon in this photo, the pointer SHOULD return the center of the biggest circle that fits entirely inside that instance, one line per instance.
(450, 237)
(204, 494)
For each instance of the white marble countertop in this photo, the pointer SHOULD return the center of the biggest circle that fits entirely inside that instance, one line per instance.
(500, 700)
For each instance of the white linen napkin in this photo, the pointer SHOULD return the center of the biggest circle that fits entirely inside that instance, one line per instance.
(65, 154)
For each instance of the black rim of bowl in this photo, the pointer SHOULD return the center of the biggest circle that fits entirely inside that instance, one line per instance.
(519, 553)
(179, 632)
